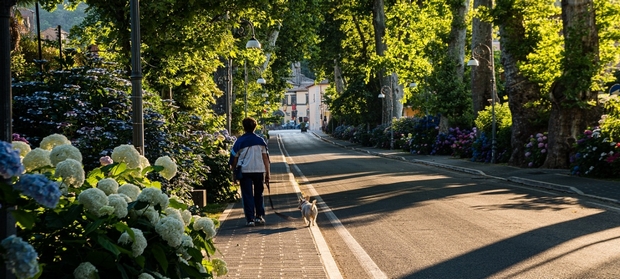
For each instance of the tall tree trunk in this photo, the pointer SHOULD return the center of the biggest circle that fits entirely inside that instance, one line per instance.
(458, 35)
(378, 23)
(570, 94)
(481, 76)
(520, 90)
(456, 47)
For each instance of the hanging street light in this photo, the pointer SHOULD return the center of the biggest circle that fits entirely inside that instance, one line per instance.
(253, 43)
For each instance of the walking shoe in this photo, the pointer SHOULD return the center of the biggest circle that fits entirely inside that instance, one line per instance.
(250, 224)
(259, 220)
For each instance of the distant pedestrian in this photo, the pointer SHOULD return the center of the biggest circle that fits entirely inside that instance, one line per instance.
(251, 154)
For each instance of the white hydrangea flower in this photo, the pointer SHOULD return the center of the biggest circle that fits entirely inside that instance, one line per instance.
(37, 158)
(144, 162)
(119, 203)
(63, 152)
(206, 225)
(145, 276)
(108, 186)
(173, 212)
(23, 147)
(138, 244)
(130, 190)
(128, 154)
(53, 140)
(171, 230)
(149, 212)
(93, 199)
(85, 270)
(71, 172)
(106, 210)
(170, 168)
(187, 217)
(185, 243)
(127, 198)
(154, 196)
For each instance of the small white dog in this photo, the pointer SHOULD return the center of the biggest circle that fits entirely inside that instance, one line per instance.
(309, 211)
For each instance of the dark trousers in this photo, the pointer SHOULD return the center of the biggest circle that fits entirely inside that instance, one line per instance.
(252, 197)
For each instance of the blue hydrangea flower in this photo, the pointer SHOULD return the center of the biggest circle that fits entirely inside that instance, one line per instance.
(10, 163)
(40, 188)
(20, 257)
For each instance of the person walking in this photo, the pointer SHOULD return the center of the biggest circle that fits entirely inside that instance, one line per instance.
(251, 154)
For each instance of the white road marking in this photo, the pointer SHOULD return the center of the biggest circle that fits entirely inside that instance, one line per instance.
(364, 259)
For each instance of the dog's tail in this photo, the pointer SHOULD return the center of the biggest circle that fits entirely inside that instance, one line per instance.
(314, 203)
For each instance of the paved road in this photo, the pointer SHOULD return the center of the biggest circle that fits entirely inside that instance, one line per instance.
(417, 221)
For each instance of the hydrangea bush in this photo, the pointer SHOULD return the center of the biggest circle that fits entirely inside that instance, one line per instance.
(596, 155)
(536, 150)
(113, 222)
(91, 106)
(422, 134)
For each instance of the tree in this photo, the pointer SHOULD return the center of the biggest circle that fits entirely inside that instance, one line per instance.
(525, 59)
(482, 34)
(573, 101)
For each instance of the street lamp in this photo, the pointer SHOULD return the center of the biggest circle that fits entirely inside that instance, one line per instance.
(478, 51)
(252, 43)
(385, 90)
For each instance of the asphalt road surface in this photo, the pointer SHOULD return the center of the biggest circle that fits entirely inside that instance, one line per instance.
(384, 218)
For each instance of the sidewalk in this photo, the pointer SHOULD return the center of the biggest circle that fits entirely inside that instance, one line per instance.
(278, 249)
(554, 179)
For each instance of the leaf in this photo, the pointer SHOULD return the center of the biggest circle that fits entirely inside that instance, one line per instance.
(122, 227)
(117, 170)
(122, 270)
(195, 253)
(141, 260)
(91, 227)
(108, 245)
(137, 205)
(191, 271)
(94, 176)
(210, 247)
(156, 184)
(174, 203)
(160, 256)
(23, 218)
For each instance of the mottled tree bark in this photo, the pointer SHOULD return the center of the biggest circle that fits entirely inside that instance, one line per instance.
(519, 89)
(570, 94)
(481, 76)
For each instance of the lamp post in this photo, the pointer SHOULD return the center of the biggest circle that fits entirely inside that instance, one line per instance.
(387, 90)
(137, 117)
(477, 52)
(7, 222)
(252, 43)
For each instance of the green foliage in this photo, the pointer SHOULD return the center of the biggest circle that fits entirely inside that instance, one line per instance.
(452, 98)
(610, 121)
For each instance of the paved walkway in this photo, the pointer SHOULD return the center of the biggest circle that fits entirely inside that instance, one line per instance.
(280, 248)
(286, 248)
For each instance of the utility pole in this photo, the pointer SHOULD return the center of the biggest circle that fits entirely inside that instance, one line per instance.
(7, 223)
